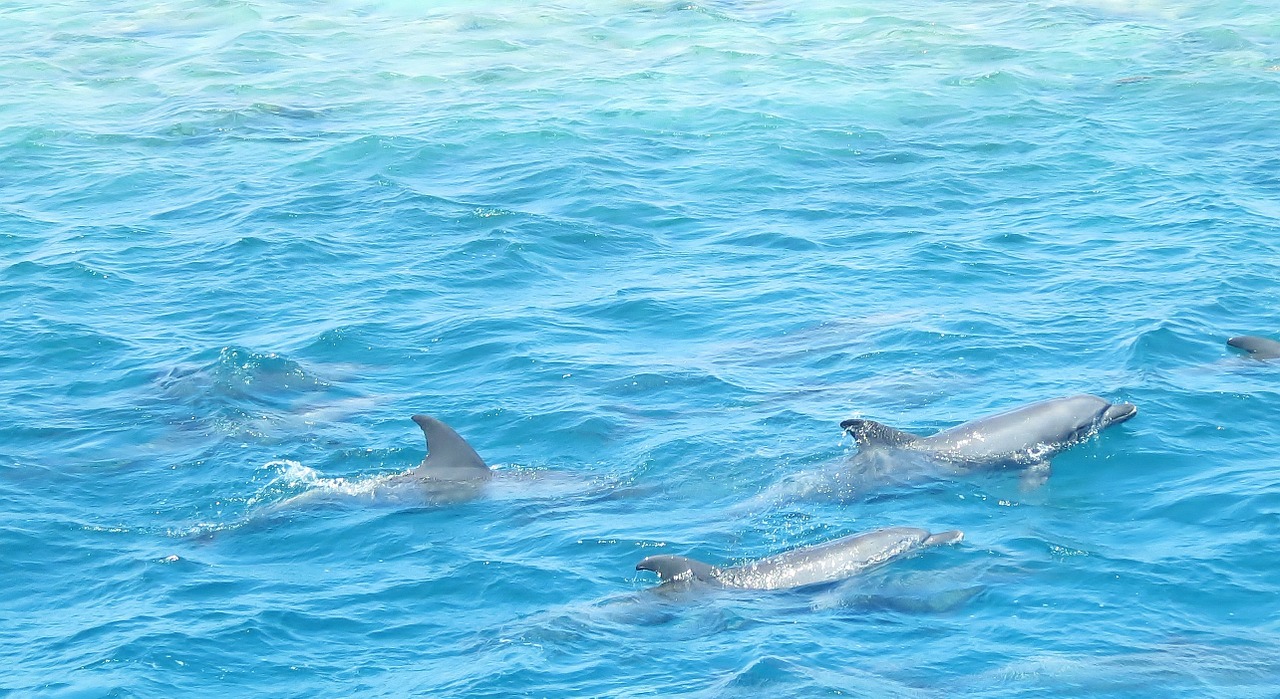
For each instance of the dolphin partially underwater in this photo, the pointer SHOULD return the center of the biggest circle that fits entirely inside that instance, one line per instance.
(813, 565)
(451, 472)
(1028, 436)
(1024, 438)
(1257, 347)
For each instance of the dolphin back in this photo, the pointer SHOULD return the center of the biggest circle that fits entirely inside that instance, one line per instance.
(1031, 432)
(448, 454)
(1258, 347)
(812, 565)
(834, 560)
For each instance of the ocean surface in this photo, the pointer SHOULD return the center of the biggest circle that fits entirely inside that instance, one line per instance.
(645, 256)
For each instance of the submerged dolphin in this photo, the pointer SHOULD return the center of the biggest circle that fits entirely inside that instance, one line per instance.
(1257, 347)
(824, 563)
(1027, 436)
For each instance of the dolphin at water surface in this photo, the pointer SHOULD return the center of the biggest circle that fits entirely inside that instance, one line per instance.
(1027, 436)
(1257, 347)
(1024, 438)
(451, 472)
(813, 565)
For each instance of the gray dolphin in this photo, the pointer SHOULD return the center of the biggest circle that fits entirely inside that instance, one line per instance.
(824, 563)
(1024, 438)
(1027, 436)
(451, 472)
(1257, 347)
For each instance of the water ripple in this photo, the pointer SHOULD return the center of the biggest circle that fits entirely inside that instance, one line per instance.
(645, 257)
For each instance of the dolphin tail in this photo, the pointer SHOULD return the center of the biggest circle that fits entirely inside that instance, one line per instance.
(869, 433)
(677, 568)
(446, 449)
(954, 536)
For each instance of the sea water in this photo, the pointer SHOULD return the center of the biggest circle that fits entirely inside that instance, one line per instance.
(645, 256)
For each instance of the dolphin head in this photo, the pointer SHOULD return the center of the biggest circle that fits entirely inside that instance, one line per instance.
(678, 569)
(1116, 413)
(1093, 414)
(1258, 347)
(869, 433)
(1089, 410)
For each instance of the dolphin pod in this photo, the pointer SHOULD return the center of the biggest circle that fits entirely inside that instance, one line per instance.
(812, 565)
(1257, 347)
(1027, 436)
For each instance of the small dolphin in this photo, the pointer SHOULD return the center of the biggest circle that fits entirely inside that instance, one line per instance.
(813, 565)
(1027, 436)
(1257, 347)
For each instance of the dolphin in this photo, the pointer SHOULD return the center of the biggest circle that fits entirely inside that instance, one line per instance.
(451, 472)
(1024, 438)
(1257, 347)
(813, 565)
(1028, 436)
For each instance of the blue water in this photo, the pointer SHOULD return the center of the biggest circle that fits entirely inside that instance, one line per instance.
(645, 256)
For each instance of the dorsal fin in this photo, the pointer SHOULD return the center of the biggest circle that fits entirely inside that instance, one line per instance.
(869, 433)
(448, 454)
(678, 568)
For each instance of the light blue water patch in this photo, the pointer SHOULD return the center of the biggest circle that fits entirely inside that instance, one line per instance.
(645, 257)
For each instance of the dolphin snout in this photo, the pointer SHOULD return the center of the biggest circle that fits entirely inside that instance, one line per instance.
(1119, 412)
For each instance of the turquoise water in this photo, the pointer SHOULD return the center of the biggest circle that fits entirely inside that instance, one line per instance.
(645, 256)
